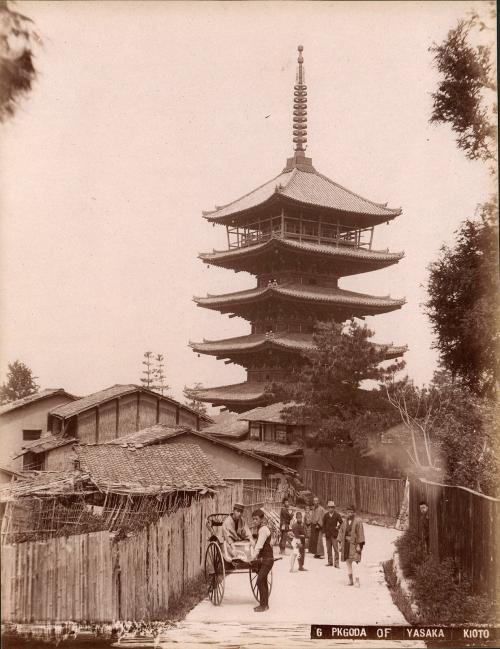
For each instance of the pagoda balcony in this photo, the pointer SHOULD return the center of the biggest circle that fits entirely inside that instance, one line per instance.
(298, 229)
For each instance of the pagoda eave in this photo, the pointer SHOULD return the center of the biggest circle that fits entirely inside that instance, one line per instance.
(279, 342)
(341, 260)
(239, 397)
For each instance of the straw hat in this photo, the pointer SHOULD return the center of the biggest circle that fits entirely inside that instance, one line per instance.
(331, 503)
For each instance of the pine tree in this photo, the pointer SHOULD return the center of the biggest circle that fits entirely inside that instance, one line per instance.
(159, 376)
(20, 383)
(191, 400)
(147, 379)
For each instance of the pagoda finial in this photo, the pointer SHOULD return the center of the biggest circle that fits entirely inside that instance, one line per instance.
(300, 106)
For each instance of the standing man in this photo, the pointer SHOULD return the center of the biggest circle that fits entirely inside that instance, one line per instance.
(316, 539)
(262, 555)
(332, 521)
(352, 539)
(285, 518)
(423, 524)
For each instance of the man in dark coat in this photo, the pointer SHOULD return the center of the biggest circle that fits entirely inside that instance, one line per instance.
(332, 521)
(285, 518)
(423, 524)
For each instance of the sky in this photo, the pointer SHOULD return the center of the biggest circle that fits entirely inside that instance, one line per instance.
(146, 113)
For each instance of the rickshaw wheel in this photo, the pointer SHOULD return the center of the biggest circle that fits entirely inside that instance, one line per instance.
(215, 573)
(253, 582)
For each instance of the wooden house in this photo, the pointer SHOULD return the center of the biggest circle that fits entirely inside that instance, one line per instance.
(101, 417)
(26, 420)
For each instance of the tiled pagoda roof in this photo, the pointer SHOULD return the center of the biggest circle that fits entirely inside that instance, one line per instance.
(305, 188)
(372, 258)
(257, 342)
(307, 293)
(245, 392)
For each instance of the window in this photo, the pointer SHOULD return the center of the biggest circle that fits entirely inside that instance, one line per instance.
(281, 435)
(30, 435)
(255, 431)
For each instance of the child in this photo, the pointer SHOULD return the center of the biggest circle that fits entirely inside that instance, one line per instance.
(298, 543)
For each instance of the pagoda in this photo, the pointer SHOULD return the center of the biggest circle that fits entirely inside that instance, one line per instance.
(298, 234)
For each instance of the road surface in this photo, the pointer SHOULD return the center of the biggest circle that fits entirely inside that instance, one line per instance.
(299, 599)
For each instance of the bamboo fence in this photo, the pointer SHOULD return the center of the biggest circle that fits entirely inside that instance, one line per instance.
(371, 495)
(94, 578)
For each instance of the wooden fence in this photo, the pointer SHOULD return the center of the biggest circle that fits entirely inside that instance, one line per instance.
(368, 494)
(93, 578)
(462, 525)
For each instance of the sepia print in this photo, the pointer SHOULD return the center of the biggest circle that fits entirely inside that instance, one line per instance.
(250, 300)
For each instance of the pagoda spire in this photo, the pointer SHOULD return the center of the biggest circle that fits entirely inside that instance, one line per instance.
(300, 105)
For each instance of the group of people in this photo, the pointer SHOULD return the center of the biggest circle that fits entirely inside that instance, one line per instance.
(317, 530)
(311, 530)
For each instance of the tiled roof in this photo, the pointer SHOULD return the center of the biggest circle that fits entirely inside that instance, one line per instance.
(227, 424)
(270, 413)
(147, 436)
(303, 292)
(340, 251)
(151, 469)
(309, 189)
(96, 398)
(268, 448)
(25, 401)
(45, 443)
(238, 392)
(295, 341)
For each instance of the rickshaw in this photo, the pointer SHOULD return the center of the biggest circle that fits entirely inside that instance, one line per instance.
(218, 564)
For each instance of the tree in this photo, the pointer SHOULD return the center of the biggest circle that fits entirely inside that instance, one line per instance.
(464, 303)
(326, 391)
(448, 428)
(148, 378)
(20, 383)
(191, 400)
(461, 99)
(158, 373)
(17, 71)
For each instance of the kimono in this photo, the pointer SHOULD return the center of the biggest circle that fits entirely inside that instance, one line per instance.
(351, 534)
(236, 538)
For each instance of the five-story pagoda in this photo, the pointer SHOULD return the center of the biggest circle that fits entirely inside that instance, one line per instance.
(298, 234)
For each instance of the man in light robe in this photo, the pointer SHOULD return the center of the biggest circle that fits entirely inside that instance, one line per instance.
(234, 532)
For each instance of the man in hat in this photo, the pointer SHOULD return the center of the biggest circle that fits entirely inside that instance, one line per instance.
(332, 521)
(351, 539)
(262, 558)
(234, 530)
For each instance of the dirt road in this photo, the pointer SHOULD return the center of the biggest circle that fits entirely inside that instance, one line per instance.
(298, 599)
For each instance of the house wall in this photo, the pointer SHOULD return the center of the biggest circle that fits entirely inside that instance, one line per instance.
(230, 464)
(31, 416)
(168, 413)
(133, 414)
(60, 459)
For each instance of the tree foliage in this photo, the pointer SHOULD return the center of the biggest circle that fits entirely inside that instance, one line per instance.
(326, 392)
(20, 383)
(466, 76)
(464, 303)
(449, 428)
(191, 400)
(17, 70)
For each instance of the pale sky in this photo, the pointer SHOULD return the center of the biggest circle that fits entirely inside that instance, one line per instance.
(147, 113)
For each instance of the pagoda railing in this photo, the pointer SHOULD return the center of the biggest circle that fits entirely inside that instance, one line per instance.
(298, 229)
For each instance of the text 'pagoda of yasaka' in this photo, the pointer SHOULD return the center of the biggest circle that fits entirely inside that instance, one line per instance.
(299, 233)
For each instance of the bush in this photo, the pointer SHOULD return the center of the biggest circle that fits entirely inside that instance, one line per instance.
(411, 552)
(441, 599)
